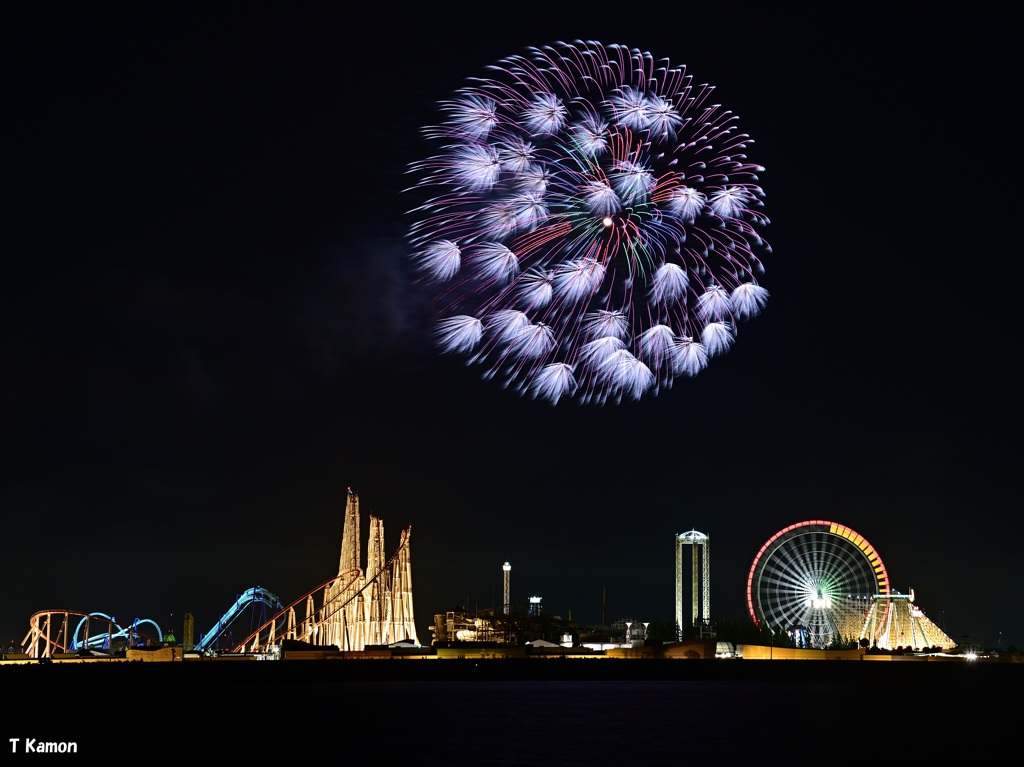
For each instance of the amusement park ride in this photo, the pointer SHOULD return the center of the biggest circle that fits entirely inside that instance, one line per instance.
(821, 583)
(351, 610)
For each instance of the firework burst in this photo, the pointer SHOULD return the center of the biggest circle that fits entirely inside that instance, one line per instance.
(591, 224)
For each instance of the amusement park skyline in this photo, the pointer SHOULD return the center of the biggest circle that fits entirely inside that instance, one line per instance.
(214, 324)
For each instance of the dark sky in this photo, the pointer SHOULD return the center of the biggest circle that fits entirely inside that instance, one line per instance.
(211, 329)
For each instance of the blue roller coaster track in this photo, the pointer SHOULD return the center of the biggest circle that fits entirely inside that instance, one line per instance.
(132, 634)
(252, 597)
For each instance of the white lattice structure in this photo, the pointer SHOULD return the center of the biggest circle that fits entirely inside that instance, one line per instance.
(700, 575)
(894, 621)
(359, 606)
(371, 606)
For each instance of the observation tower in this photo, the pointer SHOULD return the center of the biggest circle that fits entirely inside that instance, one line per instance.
(700, 573)
(506, 571)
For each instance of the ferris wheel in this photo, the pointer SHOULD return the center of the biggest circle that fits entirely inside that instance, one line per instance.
(816, 580)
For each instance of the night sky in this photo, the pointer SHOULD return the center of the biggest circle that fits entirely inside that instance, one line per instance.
(211, 328)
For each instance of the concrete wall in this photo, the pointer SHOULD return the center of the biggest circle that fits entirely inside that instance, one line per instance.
(765, 652)
(505, 651)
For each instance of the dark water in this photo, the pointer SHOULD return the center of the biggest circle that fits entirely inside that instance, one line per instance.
(807, 713)
(586, 723)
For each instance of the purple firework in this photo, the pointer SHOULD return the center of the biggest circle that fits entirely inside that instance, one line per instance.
(591, 223)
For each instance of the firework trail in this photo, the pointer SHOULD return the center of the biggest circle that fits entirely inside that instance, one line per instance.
(590, 227)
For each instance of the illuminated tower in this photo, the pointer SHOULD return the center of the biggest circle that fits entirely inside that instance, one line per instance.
(701, 544)
(350, 534)
(364, 607)
(506, 579)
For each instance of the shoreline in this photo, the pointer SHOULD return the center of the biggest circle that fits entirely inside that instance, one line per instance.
(409, 670)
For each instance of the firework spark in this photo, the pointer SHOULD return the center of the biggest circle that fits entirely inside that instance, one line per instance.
(589, 223)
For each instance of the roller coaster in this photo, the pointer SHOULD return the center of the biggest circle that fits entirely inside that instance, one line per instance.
(249, 599)
(356, 608)
(50, 633)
